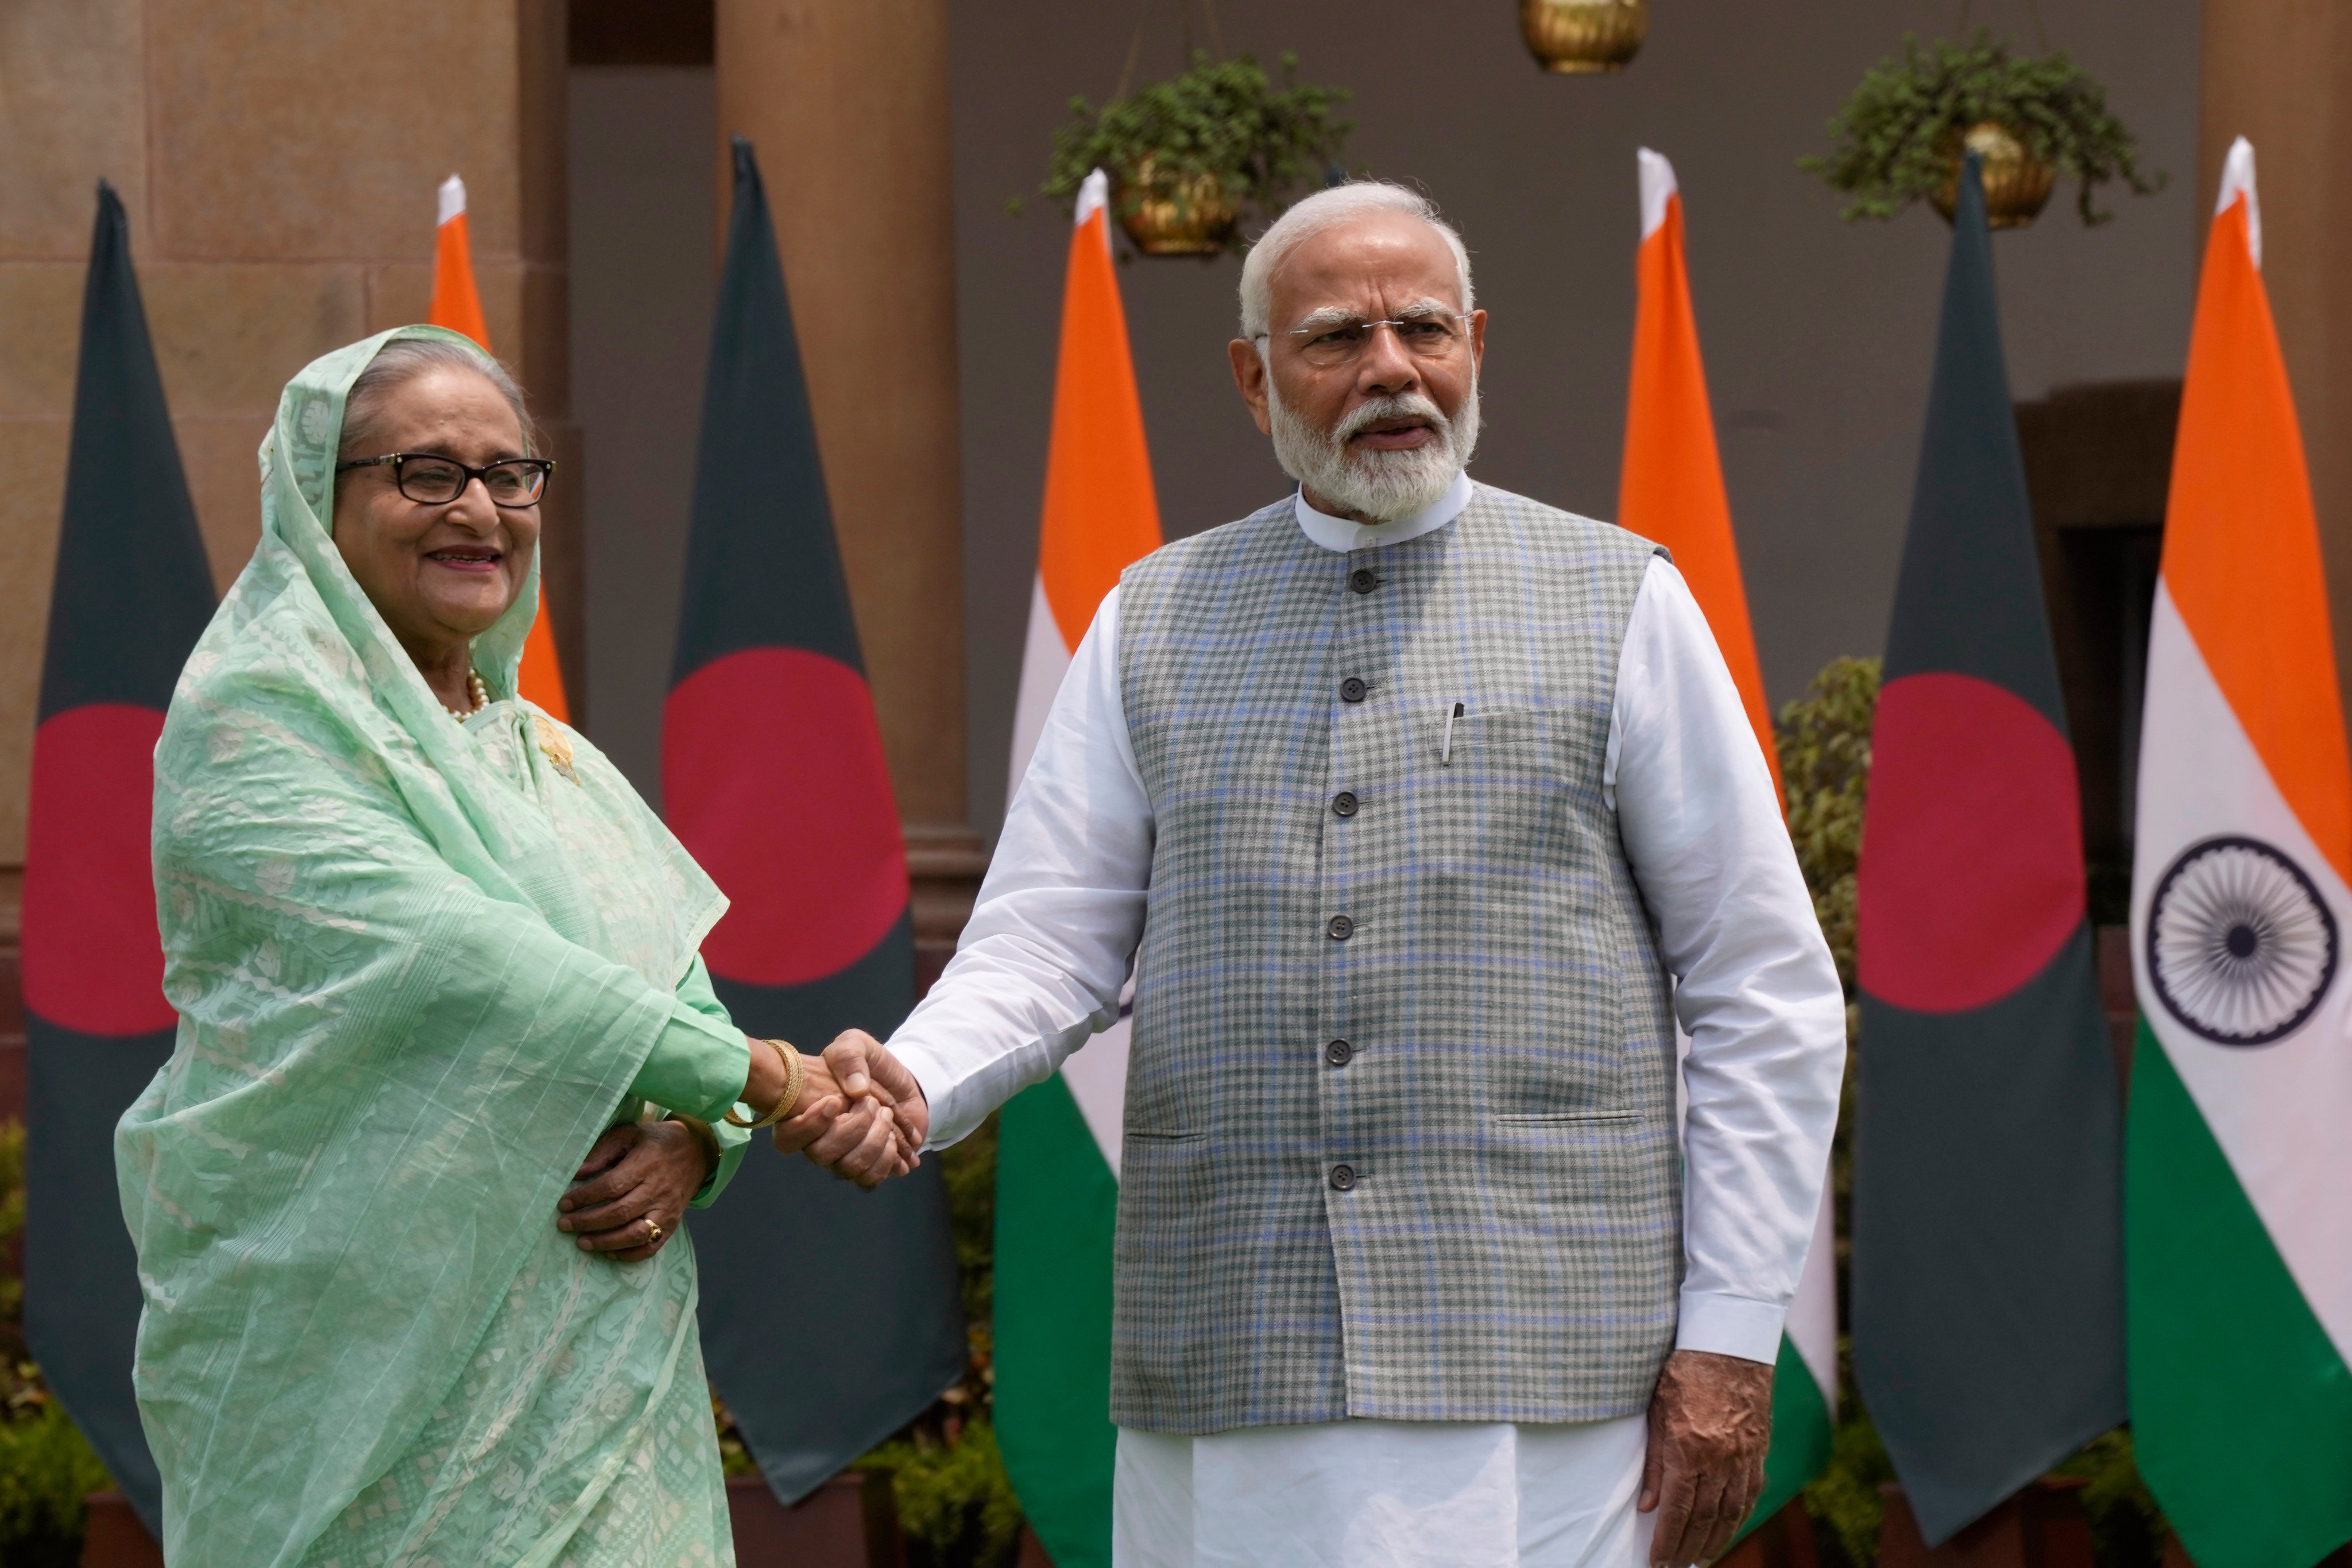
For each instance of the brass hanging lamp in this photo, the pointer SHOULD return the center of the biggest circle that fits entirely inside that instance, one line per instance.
(1584, 36)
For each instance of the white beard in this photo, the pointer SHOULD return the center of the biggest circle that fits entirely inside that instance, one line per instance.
(1385, 486)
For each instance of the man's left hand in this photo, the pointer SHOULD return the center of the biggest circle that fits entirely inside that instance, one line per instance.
(630, 1194)
(1710, 1422)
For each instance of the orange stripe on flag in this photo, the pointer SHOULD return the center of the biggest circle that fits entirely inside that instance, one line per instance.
(1100, 509)
(1671, 490)
(2242, 556)
(458, 305)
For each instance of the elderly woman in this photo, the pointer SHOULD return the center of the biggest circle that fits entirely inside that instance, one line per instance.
(429, 950)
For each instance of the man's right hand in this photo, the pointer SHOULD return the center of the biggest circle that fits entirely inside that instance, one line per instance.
(882, 1133)
(862, 1113)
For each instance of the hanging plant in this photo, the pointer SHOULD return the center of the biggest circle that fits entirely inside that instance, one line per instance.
(1191, 156)
(1901, 136)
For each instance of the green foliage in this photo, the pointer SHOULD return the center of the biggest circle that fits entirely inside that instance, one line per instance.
(45, 1466)
(954, 1502)
(969, 1171)
(1224, 118)
(12, 1213)
(1825, 744)
(1844, 1500)
(1895, 135)
(2128, 1528)
(45, 1469)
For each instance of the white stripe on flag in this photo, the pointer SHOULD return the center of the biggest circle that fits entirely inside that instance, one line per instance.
(1812, 1315)
(1045, 660)
(2278, 1111)
(1096, 1076)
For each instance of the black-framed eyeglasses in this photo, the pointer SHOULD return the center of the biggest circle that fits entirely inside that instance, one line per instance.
(433, 480)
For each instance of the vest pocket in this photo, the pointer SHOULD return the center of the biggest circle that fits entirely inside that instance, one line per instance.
(1482, 728)
(1564, 1118)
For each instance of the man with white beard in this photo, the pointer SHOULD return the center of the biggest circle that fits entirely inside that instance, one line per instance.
(1422, 812)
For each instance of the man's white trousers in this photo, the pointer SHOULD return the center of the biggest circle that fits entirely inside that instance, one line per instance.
(1383, 1494)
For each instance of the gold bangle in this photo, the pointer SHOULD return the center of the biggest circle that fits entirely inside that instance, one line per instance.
(702, 1135)
(795, 1075)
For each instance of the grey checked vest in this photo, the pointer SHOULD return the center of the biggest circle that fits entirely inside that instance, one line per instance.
(1400, 1137)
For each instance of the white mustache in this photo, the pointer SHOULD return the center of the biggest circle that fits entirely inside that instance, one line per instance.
(1409, 405)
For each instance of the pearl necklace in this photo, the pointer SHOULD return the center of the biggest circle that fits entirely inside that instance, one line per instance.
(475, 688)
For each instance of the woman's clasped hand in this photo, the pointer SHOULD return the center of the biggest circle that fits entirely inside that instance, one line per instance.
(630, 1194)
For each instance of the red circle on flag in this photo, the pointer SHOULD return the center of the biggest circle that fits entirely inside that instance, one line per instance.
(1971, 874)
(774, 778)
(93, 959)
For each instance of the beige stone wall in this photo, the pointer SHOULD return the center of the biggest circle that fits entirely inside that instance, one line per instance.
(279, 160)
(2279, 72)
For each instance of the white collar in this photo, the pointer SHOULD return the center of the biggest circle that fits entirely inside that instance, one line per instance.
(1342, 535)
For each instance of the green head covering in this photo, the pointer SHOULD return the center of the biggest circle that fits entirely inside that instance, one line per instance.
(298, 507)
(417, 965)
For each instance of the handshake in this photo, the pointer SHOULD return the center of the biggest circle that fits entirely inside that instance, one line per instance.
(860, 1113)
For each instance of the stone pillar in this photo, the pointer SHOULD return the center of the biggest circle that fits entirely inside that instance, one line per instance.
(847, 107)
(279, 164)
(2279, 72)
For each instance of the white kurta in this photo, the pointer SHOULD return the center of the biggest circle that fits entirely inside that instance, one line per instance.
(1040, 965)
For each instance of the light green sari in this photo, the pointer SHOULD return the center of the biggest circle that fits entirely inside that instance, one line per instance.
(417, 965)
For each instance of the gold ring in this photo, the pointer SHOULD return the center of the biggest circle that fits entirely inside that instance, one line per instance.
(653, 1233)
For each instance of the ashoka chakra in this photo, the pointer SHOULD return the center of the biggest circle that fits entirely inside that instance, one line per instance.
(2239, 944)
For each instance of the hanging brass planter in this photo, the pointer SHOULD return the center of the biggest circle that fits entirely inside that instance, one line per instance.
(1174, 214)
(1584, 36)
(2017, 184)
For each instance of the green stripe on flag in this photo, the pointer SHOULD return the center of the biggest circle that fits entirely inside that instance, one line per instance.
(1800, 1434)
(1056, 1205)
(2242, 1407)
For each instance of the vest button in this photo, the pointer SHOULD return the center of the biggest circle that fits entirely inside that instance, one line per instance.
(1363, 580)
(1343, 1177)
(1351, 690)
(1344, 803)
(1342, 928)
(1338, 1053)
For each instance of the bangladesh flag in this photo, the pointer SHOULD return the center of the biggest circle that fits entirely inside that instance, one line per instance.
(1987, 1286)
(773, 777)
(132, 594)
(2239, 1167)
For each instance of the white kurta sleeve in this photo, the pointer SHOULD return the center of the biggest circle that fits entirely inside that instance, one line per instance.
(1040, 964)
(1757, 993)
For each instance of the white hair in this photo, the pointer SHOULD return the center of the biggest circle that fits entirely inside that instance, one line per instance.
(1311, 216)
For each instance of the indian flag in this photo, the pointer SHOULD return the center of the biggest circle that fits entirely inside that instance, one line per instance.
(2239, 1157)
(458, 305)
(1057, 1160)
(1672, 491)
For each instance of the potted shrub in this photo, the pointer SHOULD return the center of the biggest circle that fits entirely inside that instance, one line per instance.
(1901, 136)
(1189, 157)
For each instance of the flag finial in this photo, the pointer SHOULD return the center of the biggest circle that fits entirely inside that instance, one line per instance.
(2237, 176)
(1658, 188)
